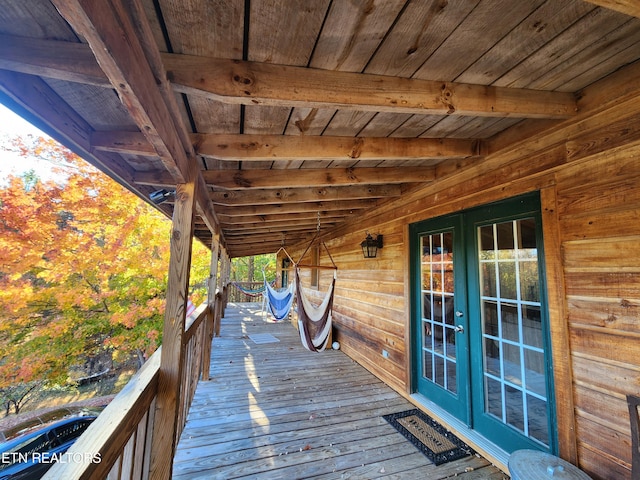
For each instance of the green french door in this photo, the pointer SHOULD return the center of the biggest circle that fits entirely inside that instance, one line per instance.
(479, 322)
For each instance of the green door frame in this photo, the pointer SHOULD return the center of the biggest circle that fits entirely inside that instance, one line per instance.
(468, 221)
(458, 401)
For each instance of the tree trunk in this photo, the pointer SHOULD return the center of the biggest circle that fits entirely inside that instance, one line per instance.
(250, 270)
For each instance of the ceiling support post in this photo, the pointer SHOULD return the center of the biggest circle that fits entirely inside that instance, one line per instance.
(166, 430)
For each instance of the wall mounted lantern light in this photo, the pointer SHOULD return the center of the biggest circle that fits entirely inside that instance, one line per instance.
(371, 245)
(160, 196)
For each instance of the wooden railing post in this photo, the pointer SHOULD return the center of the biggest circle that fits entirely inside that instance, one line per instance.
(172, 361)
(211, 315)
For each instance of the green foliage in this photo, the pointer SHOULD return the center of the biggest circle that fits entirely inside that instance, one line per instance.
(244, 269)
(83, 272)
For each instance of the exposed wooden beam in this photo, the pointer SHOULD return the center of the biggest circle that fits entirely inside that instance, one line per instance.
(300, 147)
(134, 143)
(244, 249)
(68, 61)
(299, 178)
(289, 208)
(320, 177)
(297, 195)
(253, 83)
(628, 7)
(290, 147)
(273, 238)
(122, 56)
(126, 53)
(250, 83)
(250, 230)
(281, 225)
(272, 218)
(122, 42)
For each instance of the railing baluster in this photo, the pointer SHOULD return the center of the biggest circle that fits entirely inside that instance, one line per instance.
(119, 440)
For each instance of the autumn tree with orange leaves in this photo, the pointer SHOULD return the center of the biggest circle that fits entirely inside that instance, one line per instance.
(83, 272)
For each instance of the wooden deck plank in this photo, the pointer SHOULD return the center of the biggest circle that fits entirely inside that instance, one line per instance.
(276, 411)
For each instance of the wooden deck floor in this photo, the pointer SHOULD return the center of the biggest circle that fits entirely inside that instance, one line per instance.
(276, 411)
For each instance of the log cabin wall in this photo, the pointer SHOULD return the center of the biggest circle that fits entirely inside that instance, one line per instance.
(588, 173)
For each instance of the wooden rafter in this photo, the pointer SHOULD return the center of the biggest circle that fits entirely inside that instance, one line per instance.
(234, 81)
(273, 218)
(253, 83)
(628, 7)
(125, 52)
(289, 147)
(291, 208)
(122, 42)
(69, 61)
(300, 147)
(301, 195)
(318, 177)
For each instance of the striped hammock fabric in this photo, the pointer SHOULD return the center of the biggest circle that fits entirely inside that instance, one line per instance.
(315, 323)
(248, 291)
(279, 301)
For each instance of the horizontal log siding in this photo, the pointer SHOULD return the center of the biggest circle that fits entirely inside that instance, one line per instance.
(591, 167)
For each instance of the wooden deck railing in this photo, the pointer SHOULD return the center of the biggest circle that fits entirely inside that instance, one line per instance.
(237, 295)
(117, 445)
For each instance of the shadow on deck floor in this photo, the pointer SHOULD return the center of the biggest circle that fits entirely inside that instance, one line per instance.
(275, 411)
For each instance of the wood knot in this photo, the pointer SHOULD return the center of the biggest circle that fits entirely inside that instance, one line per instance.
(446, 97)
(242, 80)
(356, 150)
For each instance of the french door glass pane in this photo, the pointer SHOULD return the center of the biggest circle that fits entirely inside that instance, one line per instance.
(513, 355)
(438, 317)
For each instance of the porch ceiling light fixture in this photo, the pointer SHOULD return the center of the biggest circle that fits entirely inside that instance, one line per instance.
(161, 196)
(371, 245)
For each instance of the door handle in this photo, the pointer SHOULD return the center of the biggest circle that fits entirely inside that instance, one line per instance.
(459, 329)
(459, 314)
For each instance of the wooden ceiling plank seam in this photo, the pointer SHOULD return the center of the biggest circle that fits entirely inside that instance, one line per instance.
(560, 49)
(543, 24)
(223, 38)
(618, 46)
(364, 27)
(280, 32)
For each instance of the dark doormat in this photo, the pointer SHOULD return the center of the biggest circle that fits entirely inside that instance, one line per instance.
(431, 438)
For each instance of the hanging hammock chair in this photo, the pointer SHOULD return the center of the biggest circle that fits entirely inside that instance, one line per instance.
(279, 301)
(256, 292)
(315, 323)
